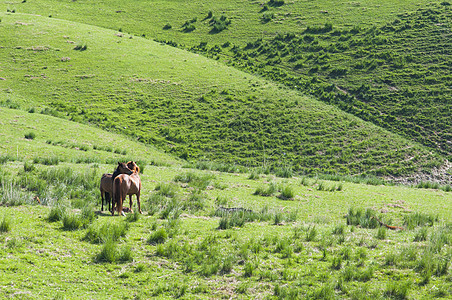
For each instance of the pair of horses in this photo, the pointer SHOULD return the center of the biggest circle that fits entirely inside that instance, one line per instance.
(124, 181)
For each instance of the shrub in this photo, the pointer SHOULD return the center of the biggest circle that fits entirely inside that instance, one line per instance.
(30, 136)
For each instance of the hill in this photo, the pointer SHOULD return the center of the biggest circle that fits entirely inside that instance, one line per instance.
(395, 76)
(189, 105)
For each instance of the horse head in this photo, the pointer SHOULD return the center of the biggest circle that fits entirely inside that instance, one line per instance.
(123, 168)
(133, 166)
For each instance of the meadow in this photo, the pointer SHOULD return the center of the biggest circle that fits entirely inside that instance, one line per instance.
(204, 234)
(272, 139)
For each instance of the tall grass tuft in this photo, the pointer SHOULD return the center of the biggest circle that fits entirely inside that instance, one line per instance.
(362, 218)
(419, 219)
(158, 237)
(397, 290)
(56, 213)
(97, 233)
(5, 224)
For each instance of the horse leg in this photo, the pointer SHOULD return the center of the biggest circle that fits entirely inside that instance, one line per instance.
(121, 200)
(102, 199)
(130, 203)
(138, 201)
(108, 199)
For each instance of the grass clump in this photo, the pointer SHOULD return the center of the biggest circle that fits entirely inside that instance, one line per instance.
(98, 233)
(397, 290)
(5, 224)
(158, 237)
(419, 219)
(30, 135)
(287, 193)
(111, 253)
(56, 213)
(365, 219)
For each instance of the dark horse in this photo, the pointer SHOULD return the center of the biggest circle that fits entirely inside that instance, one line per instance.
(124, 185)
(106, 182)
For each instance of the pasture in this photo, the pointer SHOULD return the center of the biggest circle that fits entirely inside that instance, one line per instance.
(209, 234)
(270, 138)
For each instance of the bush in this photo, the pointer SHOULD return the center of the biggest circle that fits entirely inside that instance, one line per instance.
(30, 136)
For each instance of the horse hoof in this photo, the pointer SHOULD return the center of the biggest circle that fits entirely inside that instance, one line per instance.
(141, 212)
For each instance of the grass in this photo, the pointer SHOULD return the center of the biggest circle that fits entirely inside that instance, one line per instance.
(232, 102)
(318, 244)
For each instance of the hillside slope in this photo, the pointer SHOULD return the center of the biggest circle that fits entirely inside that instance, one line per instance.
(189, 105)
(27, 136)
(165, 20)
(396, 76)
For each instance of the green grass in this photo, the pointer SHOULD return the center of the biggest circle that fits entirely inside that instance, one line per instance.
(213, 232)
(188, 105)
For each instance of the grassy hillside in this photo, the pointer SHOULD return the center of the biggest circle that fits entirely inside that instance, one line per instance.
(249, 19)
(287, 238)
(187, 104)
(32, 136)
(396, 76)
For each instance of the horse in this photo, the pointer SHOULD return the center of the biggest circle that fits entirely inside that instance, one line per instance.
(106, 182)
(124, 185)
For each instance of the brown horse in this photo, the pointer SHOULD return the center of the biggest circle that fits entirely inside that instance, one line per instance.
(124, 185)
(106, 182)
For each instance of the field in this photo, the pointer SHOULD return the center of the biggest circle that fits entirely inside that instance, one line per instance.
(208, 234)
(288, 149)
